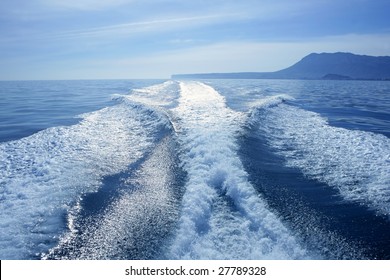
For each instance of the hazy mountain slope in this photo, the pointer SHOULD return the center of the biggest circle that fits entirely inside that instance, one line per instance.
(317, 66)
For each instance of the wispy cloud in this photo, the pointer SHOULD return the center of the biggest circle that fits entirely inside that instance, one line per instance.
(104, 33)
(142, 26)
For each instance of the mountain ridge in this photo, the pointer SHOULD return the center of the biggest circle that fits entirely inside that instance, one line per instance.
(328, 66)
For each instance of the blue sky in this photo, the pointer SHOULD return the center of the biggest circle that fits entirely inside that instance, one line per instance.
(88, 39)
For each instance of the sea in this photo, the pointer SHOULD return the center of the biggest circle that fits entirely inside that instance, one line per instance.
(195, 169)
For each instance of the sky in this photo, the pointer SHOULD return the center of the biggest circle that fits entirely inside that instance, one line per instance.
(137, 39)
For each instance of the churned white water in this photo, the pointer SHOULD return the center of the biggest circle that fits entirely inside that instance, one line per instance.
(355, 162)
(41, 176)
(222, 216)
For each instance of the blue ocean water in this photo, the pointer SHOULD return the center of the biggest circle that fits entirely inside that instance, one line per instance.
(212, 169)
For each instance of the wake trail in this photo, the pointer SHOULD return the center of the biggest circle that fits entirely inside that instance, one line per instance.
(354, 162)
(222, 216)
(43, 176)
(136, 223)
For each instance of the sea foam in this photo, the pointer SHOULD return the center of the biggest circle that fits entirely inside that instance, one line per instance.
(43, 175)
(222, 216)
(355, 162)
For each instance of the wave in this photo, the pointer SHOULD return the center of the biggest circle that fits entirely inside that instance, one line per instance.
(43, 176)
(355, 162)
(271, 101)
(222, 216)
(257, 106)
(136, 222)
(161, 95)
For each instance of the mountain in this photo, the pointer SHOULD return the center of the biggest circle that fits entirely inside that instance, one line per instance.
(332, 66)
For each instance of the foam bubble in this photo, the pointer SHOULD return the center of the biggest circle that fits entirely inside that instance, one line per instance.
(356, 162)
(222, 216)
